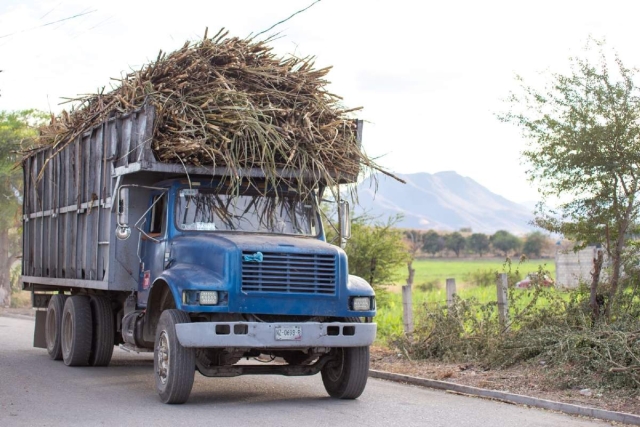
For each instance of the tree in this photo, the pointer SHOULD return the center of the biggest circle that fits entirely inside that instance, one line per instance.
(455, 242)
(432, 243)
(505, 242)
(478, 243)
(534, 243)
(376, 250)
(583, 133)
(414, 241)
(16, 129)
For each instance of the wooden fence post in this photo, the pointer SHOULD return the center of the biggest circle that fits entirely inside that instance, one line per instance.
(407, 309)
(503, 301)
(451, 290)
(407, 305)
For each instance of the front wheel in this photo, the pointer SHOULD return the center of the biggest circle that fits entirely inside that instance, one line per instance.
(345, 377)
(174, 365)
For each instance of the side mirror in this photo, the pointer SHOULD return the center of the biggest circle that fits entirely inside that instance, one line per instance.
(345, 222)
(123, 231)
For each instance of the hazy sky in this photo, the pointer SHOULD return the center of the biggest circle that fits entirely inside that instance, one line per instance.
(430, 75)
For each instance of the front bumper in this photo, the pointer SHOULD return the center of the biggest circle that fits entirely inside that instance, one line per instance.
(263, 335)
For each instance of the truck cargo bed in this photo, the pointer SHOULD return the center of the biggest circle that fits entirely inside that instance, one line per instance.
(68, 210)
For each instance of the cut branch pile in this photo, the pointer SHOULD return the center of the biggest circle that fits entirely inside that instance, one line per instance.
(231, 102)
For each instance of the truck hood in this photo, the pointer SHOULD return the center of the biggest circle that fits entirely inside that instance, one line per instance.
(275, 243)
(217, 250)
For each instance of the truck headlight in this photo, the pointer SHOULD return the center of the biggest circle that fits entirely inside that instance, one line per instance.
(361, 303)
(208, 297)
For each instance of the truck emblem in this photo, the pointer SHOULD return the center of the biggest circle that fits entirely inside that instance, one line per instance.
(257, 257)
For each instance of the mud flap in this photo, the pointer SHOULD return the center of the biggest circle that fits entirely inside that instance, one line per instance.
(39, 339)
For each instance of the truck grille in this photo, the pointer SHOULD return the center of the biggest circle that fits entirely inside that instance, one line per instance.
(290, 273)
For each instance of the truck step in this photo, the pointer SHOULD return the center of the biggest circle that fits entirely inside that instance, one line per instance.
(133, 349)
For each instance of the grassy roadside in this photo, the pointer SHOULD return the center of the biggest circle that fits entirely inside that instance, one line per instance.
(475, 279)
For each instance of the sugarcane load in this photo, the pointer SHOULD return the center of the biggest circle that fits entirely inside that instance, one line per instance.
(179, 214)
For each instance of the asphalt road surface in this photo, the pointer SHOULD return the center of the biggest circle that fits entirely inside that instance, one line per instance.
(37, 391)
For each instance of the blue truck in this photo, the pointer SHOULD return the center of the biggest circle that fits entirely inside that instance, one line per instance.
(179, 260)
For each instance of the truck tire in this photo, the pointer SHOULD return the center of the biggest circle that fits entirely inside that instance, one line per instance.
(53, 324)
(103, 330)
(174, 366)
(345, 377)
(76, 331)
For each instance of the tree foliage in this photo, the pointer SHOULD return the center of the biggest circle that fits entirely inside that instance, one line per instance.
(455, 242)
(506, 242)
(432, 243)
(584, 148)
(478, 243)
(534, 243)
(16, 130)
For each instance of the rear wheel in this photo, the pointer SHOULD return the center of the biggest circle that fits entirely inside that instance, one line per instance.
(76, 331)
(174, 365)
(53, 326)
(103, 331)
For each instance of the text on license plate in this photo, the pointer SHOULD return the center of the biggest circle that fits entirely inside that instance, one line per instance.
(288, 333)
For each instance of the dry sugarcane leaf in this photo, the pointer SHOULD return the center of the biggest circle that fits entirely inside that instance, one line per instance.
(231, 102)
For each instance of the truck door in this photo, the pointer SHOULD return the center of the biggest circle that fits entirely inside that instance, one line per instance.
(152, 245)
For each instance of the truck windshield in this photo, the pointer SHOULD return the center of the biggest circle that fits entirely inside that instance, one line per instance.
(209, 210)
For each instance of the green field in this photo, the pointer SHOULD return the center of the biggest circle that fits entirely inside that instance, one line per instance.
(434, 272)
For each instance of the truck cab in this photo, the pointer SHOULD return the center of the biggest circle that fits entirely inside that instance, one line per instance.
(250, 267)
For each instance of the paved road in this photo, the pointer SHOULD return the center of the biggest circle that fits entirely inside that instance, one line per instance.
(36, 391)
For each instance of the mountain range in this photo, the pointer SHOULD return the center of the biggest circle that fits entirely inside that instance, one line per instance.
(443, 201)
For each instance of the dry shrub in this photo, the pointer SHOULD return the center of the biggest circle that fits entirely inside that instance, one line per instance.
(465, 332)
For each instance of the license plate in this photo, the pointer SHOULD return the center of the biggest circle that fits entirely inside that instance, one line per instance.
(288, 333)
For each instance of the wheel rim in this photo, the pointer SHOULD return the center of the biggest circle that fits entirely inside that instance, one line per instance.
(163, 357)
(336, 366)
(50, 330)
(67, 333)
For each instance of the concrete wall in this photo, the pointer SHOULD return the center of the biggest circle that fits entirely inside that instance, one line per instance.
(572, 267)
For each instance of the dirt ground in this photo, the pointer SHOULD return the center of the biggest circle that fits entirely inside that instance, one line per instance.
(526, 380)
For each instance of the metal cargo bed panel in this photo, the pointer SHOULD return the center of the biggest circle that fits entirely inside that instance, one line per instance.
(68, 215)
(68, 219)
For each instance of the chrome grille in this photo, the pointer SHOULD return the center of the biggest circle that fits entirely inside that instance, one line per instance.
(290, 273)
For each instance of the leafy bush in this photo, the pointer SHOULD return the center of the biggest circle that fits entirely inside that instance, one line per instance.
(389, 325)
(485, 278)
(429, 286)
